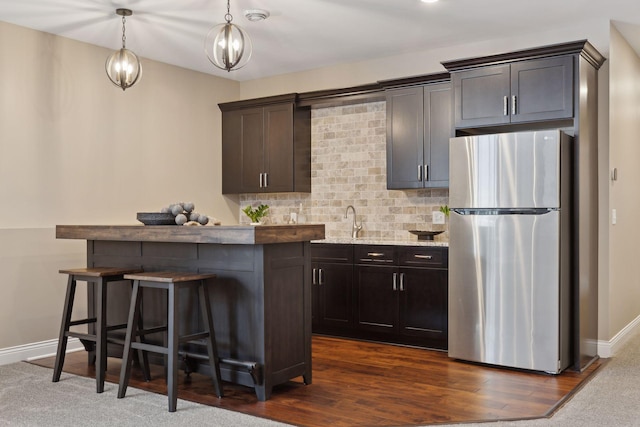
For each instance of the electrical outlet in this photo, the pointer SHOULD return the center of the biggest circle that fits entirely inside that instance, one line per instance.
(437, 217)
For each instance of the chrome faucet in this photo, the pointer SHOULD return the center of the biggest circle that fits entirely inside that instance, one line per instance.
(355, 229)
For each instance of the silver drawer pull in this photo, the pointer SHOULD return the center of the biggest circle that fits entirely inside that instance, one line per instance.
(423, 256)
(375, 254)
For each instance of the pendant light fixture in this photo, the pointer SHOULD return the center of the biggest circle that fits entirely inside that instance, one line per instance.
(123, 66)
(228, 46)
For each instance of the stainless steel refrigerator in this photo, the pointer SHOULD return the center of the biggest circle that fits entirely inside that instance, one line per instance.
(509, 249)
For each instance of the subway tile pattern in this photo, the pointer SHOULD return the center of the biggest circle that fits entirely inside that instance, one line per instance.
(348, 157)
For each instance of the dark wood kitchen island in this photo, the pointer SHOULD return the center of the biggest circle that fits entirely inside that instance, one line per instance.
(261, 298)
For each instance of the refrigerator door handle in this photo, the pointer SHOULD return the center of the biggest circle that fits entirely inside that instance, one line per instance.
(504, 211)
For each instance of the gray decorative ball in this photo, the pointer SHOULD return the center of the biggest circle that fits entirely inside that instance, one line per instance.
(203, 219)
(181, 219)
(176, 209)
(189, 206)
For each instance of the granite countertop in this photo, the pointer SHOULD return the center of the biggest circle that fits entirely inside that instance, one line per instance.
(383, 242)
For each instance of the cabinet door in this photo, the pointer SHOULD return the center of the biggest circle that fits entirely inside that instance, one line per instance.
(424, 304)
(335, 284)
(438, 129)
(405, 138)
(482, 96)
(376, 299)
(542, 89)
(242, 149)
(278, 152)
(252, 143)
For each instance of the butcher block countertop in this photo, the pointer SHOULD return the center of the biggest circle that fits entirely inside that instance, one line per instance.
(223, 234)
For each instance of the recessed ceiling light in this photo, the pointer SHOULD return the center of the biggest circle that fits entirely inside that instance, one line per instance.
(254, 15)
(428, 1)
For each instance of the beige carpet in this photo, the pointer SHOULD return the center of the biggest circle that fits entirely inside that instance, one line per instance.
(28, 397)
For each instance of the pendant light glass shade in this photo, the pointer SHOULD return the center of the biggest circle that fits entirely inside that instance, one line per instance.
(123, 66)
(228, 46)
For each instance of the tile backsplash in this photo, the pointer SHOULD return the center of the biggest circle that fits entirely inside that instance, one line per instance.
(348, 167)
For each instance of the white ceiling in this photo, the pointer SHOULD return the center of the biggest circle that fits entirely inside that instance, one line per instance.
(306, 34)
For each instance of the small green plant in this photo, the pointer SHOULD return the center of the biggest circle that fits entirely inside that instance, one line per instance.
(256, 214)
(445, 210)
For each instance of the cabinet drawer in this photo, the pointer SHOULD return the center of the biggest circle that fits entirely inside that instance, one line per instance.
(329, 252)
(423, 256)
(366, 254)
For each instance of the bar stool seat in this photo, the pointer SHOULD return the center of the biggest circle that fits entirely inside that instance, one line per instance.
(172, 282)
(93, 342)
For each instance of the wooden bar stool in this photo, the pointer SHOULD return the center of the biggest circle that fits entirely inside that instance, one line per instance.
(172, 282)
(97, 341)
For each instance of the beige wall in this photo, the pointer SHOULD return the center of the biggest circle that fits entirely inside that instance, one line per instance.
(74, 149)
(623, 288)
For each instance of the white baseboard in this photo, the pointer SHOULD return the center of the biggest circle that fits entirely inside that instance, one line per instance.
(36, 350)
(609, 348)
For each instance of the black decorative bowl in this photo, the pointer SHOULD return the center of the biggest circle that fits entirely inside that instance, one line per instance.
(425, 235)
(156, 218)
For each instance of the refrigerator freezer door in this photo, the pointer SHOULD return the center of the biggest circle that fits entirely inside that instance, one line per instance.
(510, 170)
(504, 291)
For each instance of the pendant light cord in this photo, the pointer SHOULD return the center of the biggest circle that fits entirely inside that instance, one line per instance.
(228, 16)
(124, 37)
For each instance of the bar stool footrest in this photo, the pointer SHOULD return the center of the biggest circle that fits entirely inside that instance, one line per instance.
(83, 321)
(150, 347)
(81, 336)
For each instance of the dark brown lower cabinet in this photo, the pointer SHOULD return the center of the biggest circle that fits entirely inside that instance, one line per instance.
(332, 287)
(424, 304)
(396, 294)
(376, 299)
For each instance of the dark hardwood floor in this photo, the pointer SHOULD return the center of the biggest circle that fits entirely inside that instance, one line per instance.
(366, 384)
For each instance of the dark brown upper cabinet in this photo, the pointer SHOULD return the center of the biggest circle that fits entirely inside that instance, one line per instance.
(517, 92)
(419, 125)
(266, 146)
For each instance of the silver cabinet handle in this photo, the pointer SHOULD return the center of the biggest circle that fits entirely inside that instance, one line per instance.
(395, 281)
(263, 180)
(266, 180)
(401, 282)
(320, 277)
(426, 172)
(422, 256)
(514, 105)
(313, 277)
(375, 254)
(505, 106)
(419, 172)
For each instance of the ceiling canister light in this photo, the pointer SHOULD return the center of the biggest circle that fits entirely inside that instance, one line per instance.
(123, 66)
(228, 46)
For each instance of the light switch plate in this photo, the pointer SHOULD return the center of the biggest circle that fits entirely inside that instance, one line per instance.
(437, 217)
